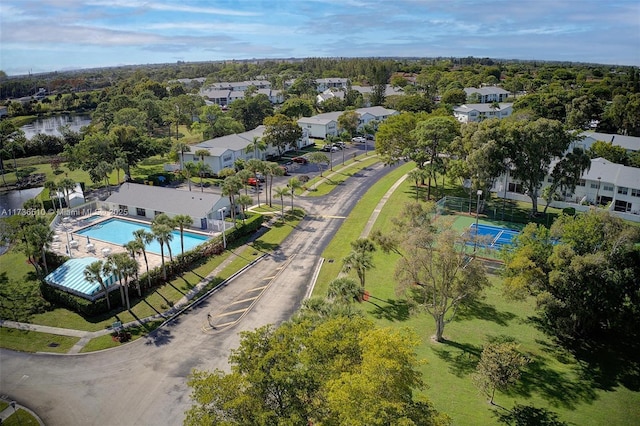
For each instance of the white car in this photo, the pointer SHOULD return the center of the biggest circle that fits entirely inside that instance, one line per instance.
(358, 139)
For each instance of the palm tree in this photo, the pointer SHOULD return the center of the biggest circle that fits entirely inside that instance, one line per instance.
(163, 219)
(111, 267)
(360, 258)
(256, 166)
(51, 186)
(244, 176)
(231, 187)
(124, 267)
(272, 169)
(188, 171)
(38, 238)
(181, 221)
(181, 148)
(67, 185)
(417, 176)
(93, 273)
(162, 233)
(144, 238)
(135, 247)
(244, 201)
(119, 164)
(293, 184)
(102, 171)
(281, 192)
(202, 169)
(344, 290)
(256, 145)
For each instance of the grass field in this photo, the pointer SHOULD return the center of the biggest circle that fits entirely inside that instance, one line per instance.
(554, 379)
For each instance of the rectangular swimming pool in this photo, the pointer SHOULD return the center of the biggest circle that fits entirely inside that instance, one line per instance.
(120, 231)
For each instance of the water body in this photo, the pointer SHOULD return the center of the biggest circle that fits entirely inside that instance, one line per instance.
(11, 202)
(50, 125)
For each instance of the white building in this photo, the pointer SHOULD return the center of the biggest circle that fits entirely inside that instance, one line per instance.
(322, 125)
(488, 94)
(613, 186)
(144, 201)
(225, 150)
(477, 112)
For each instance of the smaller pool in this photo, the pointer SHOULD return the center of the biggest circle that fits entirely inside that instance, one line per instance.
(120, 231)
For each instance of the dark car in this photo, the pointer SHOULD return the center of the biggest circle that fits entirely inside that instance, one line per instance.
(300, 160)
(369, 137)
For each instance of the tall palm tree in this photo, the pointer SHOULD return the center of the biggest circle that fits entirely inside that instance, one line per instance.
(181, 221)
(119, 164)
(272, 169)
(256, 166)
(38, 238)
(111, 266)
(163, 219)
(417, 176)
(256, 145)
(360, 258)
(162, 233)
(51, 186)
(181, 148)
(134, 247)
(93, 273)
(67, 185)
(282, 191)
(244, 176)
(144, 238)
(293, 184)
(231, 187)
(344, 290)
(202, 169)
(190, 169)
(244, 201)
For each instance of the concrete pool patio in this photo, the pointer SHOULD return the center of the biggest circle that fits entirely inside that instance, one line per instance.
(67, 241)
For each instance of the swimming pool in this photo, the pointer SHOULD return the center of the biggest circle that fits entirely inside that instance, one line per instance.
(120, 231)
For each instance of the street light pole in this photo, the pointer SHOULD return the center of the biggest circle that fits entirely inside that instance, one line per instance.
(475, 242)
(224, 237)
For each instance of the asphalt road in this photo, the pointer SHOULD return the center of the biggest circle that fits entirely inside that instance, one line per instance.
(144, 382)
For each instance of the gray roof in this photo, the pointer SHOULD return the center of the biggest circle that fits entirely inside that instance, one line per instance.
(378, 111)
(630, 143)
(327, 117)
(168, 200)
(235, 142)
(616, 174)
(480, 107)
(486, 90)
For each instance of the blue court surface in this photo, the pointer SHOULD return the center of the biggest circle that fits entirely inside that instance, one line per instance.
(492, 236)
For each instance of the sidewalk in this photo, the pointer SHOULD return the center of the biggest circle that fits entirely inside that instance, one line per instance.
(14, 407)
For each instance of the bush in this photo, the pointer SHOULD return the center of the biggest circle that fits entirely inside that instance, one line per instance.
(570, 211)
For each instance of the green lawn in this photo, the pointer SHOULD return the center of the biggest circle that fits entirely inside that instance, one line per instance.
(554, 379)
(33, 341)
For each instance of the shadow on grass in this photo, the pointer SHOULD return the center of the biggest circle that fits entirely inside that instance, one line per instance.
(560, 389)
(461, 357)
(394, 310)
(529, 415)
(264, 247)
(486, 312)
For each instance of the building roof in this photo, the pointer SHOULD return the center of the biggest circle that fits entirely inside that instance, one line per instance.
(486, 90)
(167, 200)
(630, 143)
(317, 119)
(70, 277)
(616, 174)
(466, 108)
(234, 142)
(378, 111)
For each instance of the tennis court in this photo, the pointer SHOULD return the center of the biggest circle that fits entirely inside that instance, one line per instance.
(492, 236)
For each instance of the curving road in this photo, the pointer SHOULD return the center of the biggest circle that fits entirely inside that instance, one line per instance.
(144, 382)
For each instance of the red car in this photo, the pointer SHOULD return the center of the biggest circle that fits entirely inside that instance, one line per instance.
(300, 160)
(253, 181)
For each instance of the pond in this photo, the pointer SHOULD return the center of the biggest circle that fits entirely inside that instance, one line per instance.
(11, 202)
(50, 125)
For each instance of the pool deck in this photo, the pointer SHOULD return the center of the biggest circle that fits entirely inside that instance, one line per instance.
(65, 233)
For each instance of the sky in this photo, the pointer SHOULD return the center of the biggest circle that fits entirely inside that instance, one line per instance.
(56, 35)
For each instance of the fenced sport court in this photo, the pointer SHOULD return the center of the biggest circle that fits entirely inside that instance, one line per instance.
(492, 236)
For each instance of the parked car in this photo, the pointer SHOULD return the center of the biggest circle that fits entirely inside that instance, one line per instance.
(285, 170)
(260, 177)
(253, 181)
(369, 137)
(358, 139)
(340, 145)
(330, 148)
(300, 160)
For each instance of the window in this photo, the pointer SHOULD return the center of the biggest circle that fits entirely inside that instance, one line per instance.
(635, 192)
(608, 188)
(622, 190)
(140, 211)
(227, 158)
(594, 185)
(582, 182)
(156, 213)
(549, 180)
(516, 187)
